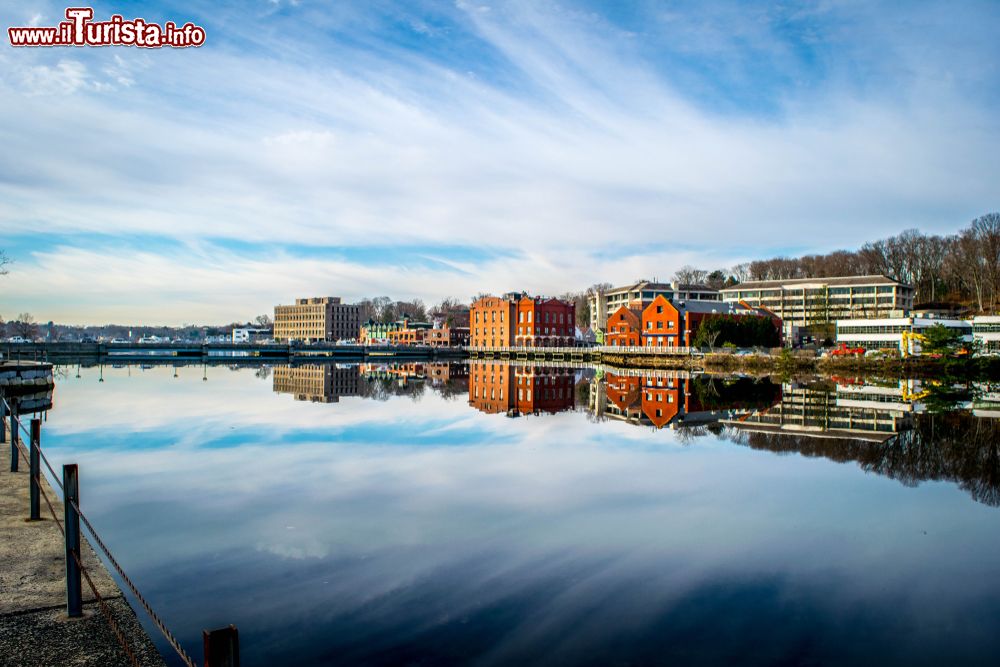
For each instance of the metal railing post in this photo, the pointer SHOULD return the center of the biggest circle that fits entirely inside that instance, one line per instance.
(34, 464)
(71, 493)
(13, 437)
(222, 647)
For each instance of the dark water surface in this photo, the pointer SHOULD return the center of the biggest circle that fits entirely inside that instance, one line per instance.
(513, 515)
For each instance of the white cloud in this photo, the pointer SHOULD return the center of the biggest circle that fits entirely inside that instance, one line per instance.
(588, 155)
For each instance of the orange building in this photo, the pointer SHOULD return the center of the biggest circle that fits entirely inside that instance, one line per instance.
(624, 328)
(519, 320)
(662, 323)
(491, 320)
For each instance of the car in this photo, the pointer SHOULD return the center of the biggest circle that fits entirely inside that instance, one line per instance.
(118, 341)
(16, 339)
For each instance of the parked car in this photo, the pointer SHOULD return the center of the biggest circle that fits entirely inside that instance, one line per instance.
(118, 341)
(16, 339)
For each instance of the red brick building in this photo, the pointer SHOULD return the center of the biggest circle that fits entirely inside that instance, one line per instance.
(520, 320)
(662, 323)
(543, 322)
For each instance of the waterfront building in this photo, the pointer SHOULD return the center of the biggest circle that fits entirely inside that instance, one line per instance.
(900, 333)
(376, 333)
(251, 335)
(317, 319)
(803, 302)
(447, 337)
(521, 320)
(986, 331)
(409, 333)
(324, 383)
(639, 294)
(586, 336)
(663, 323)
(624, 328)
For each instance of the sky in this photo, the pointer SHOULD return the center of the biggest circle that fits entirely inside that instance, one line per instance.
(434, 149)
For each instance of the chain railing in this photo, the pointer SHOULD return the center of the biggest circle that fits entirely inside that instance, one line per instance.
(226, 639)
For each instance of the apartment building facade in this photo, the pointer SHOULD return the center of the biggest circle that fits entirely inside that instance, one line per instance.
(317, 319)
(801, 302)
(521, 320)
(640, 293)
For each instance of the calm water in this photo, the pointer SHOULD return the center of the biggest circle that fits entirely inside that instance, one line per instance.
(498, 515)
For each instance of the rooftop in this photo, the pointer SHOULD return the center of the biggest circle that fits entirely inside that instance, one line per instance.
(832, 281)
(661, 287)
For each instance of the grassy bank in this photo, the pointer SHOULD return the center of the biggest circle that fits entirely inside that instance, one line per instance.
(788, 362)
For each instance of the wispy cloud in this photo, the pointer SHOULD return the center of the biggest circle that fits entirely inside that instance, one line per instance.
(580, 144)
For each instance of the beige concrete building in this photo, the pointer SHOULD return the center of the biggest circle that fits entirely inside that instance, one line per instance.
(317, 319)
(318, 384)
(802, 302)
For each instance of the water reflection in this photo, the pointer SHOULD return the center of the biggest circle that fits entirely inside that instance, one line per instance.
(402, 518)
(895, 429)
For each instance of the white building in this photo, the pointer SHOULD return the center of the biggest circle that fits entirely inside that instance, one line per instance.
(986, 330)
(250, 335)
(641, 293)
(901, 333)
(801, 302)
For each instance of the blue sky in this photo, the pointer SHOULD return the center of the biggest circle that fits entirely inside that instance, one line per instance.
(421, 149)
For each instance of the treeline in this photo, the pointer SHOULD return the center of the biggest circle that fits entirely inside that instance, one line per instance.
(384, 309)
(962, 267)
(738, 332)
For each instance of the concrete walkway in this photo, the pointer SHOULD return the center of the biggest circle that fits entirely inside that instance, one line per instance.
(34, 628)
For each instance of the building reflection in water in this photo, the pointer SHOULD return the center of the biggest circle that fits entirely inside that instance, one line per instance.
(677, 399)
(319, 383)
(328, 383)
(517, 389)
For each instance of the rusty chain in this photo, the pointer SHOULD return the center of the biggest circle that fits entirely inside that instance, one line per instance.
(105, 610)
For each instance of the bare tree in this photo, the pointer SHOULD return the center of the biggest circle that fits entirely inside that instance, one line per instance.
(741, 272)
(25, 326)
(690, 275)
(5, 261)
(263, 321)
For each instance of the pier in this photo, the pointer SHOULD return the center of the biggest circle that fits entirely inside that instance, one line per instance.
(221, 352)
(35, 628)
